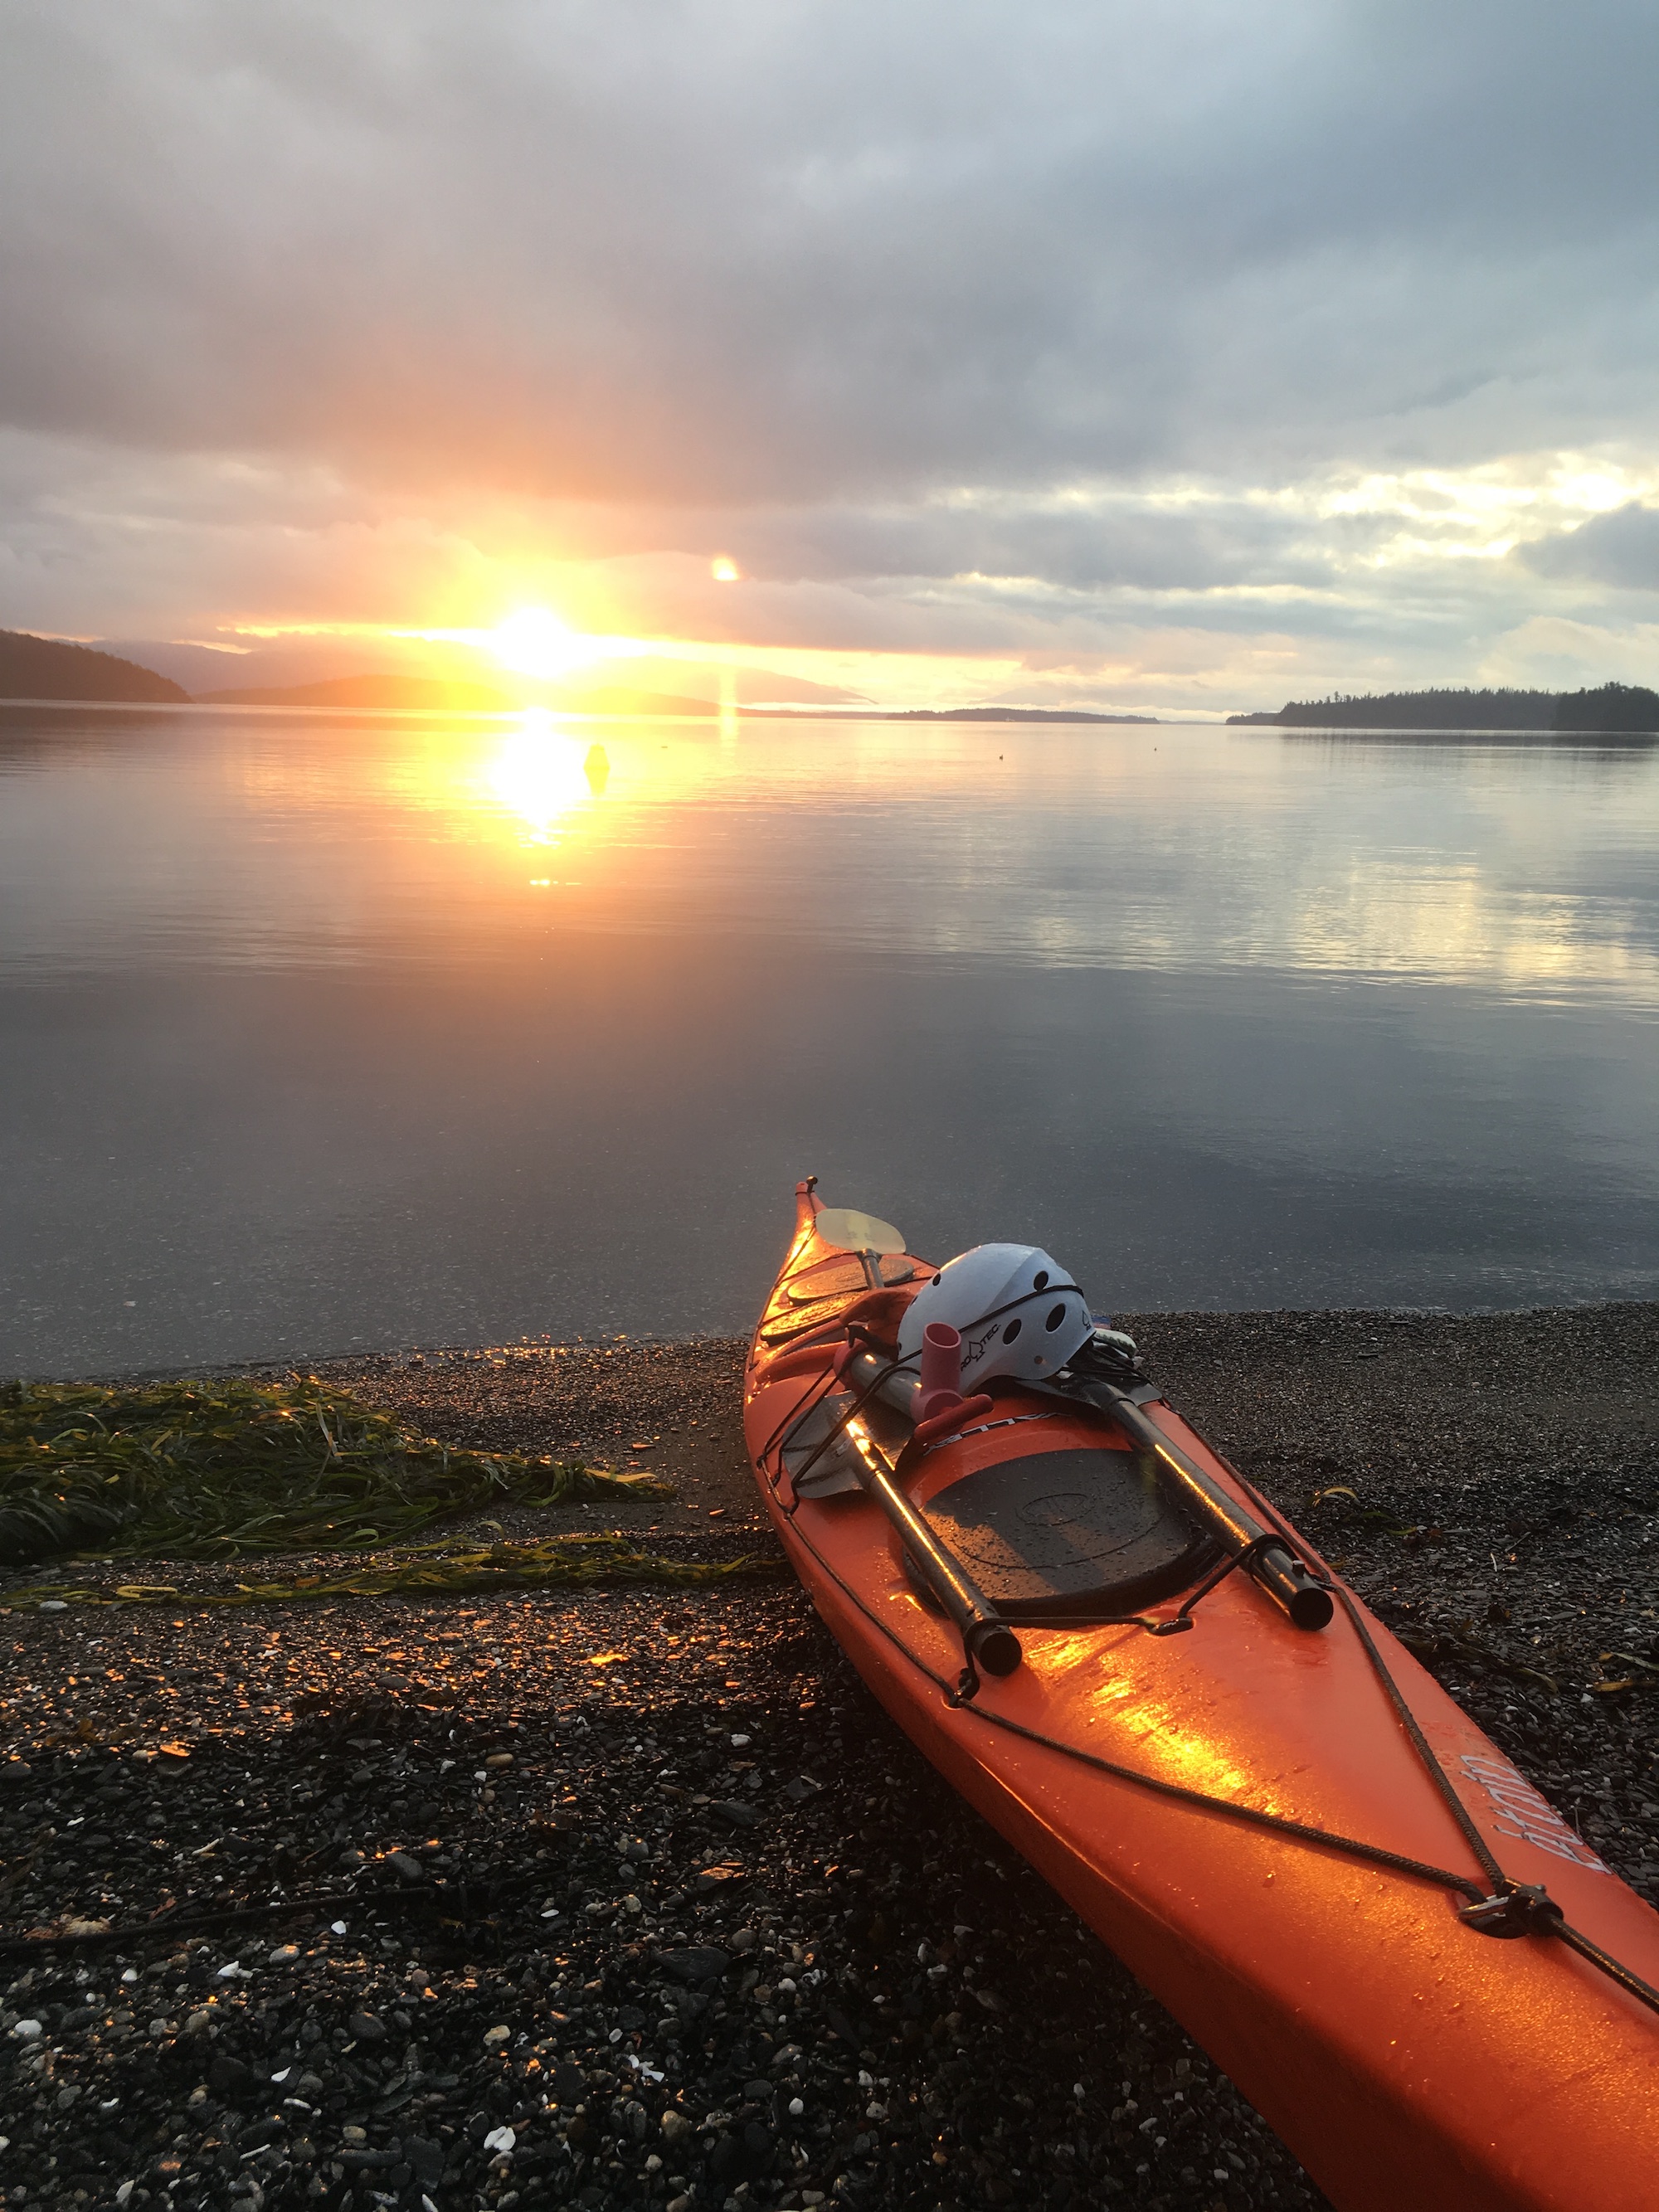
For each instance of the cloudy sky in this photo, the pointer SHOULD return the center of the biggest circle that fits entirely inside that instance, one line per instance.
(1164, 354)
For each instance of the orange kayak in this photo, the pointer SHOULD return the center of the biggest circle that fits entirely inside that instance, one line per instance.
(1088, 1621)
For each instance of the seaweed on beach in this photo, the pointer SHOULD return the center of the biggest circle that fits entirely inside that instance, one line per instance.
(216, 1470)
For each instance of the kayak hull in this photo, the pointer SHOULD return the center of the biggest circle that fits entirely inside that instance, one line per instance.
(1403, 2056)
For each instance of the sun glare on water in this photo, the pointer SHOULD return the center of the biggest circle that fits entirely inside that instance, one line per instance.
(539, 774)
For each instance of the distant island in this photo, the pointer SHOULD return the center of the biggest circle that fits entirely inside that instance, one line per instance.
(999, 714)
(616, 699)
(42, 668)
(439, 696)
(366, 691)
(1625, 708)
(49, 668)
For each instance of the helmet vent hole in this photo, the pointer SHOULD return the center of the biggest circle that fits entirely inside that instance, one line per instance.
(936, 1282)
(1012, 1331)
(1056, 1315)
(1040, 1280)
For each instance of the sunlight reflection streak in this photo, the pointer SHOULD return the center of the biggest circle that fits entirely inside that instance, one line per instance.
(537, 774)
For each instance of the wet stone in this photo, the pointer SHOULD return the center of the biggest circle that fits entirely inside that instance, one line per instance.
(425, 2155)
(702, 1962)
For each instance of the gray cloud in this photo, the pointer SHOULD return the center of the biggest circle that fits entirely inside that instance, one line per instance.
(1621, 549)
(729, 248)
(1078, 548)
(295, 297)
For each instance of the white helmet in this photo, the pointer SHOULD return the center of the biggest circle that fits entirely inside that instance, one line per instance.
(1019, 1313)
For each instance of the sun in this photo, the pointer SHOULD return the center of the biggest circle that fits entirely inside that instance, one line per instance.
(725, 570)
(533, 642)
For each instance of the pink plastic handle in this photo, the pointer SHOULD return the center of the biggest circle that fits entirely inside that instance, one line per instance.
(941, 1356)
(951, 1418)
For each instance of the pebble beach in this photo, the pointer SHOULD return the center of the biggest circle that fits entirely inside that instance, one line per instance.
(633, 1897)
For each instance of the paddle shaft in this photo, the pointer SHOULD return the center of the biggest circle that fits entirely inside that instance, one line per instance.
(986, 1635)
(1270, 1561)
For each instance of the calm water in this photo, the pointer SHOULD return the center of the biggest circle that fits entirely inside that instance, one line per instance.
(317, 1035)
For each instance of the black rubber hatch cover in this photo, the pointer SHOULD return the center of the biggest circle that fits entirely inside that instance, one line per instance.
(1070, 1532)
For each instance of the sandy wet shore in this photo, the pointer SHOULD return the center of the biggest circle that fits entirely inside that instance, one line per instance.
(640, 1899)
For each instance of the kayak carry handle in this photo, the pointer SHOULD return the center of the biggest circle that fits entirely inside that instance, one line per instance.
(949, 1419)
(1262, 1551)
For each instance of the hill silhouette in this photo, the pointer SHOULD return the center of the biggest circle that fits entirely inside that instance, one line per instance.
(616, 699)
(50, 668)
(367, 691)
(439, 695)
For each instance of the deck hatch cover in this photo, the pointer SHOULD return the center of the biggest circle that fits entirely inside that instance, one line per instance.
(1069, 1531)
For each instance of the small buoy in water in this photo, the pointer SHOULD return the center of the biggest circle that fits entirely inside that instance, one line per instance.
(597, 768)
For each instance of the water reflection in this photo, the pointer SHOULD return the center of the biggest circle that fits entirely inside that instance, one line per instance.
(1604, 746)
(352, 1030)
(1527, 873)
(538, 773)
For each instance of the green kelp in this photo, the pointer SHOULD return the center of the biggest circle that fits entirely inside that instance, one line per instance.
(559, 1562)
(215, 1469)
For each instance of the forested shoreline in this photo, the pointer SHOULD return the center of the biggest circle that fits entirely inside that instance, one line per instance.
(1616, 706)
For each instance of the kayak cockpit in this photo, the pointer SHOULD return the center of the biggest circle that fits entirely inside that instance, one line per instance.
(1036, 1500)
(1073, 1532)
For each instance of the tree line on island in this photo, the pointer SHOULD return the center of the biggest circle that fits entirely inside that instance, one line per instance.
(1621, 707)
